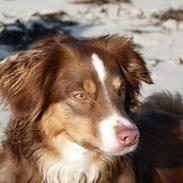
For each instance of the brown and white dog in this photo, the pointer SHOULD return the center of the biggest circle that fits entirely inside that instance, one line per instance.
(71, 103)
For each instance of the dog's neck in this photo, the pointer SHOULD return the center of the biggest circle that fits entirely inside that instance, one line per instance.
(78, 165)
(73, 166)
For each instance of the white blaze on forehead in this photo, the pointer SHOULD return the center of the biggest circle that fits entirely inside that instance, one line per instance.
(99, 66)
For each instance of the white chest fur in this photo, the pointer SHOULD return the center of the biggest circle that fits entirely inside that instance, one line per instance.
(74, 166)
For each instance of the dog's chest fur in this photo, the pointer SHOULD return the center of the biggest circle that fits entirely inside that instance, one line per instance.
(78, 165)
(74, 166)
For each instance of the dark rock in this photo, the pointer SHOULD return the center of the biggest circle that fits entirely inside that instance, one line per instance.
(169, 14)
(20, 35)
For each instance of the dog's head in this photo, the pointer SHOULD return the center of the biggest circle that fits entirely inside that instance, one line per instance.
(79, 91)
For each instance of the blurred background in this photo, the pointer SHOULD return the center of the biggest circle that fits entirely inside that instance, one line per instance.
(156, 27)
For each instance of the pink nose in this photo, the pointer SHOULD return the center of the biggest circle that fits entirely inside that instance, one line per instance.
(127, 136)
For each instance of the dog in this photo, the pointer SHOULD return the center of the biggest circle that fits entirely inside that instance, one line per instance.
(70, 101)
(73, 103)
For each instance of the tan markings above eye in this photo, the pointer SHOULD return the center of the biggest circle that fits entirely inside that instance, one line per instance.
(80, 96)
(89, 86)
(117, 82)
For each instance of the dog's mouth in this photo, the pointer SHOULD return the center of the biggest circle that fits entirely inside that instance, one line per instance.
(125, 141)
(119, 151)
(116, 151)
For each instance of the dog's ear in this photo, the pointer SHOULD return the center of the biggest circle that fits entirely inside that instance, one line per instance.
(25, 81)
(131, 63)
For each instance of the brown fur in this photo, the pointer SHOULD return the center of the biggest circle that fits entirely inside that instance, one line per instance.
(35, 84)
(131, 62)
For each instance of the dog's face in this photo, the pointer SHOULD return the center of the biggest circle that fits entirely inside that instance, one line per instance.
(77, 91)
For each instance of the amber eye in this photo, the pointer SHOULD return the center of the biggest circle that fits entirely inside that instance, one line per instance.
(80, 96)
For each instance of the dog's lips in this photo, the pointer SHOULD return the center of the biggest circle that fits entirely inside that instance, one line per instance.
(120, 150)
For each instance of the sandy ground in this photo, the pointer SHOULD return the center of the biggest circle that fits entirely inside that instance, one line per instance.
(160, 41)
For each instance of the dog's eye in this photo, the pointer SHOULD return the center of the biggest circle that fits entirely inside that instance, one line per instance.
(122, 91)
(80, 96)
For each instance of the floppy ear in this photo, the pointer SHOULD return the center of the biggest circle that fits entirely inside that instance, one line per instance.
(25, 81)
(131, 63)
